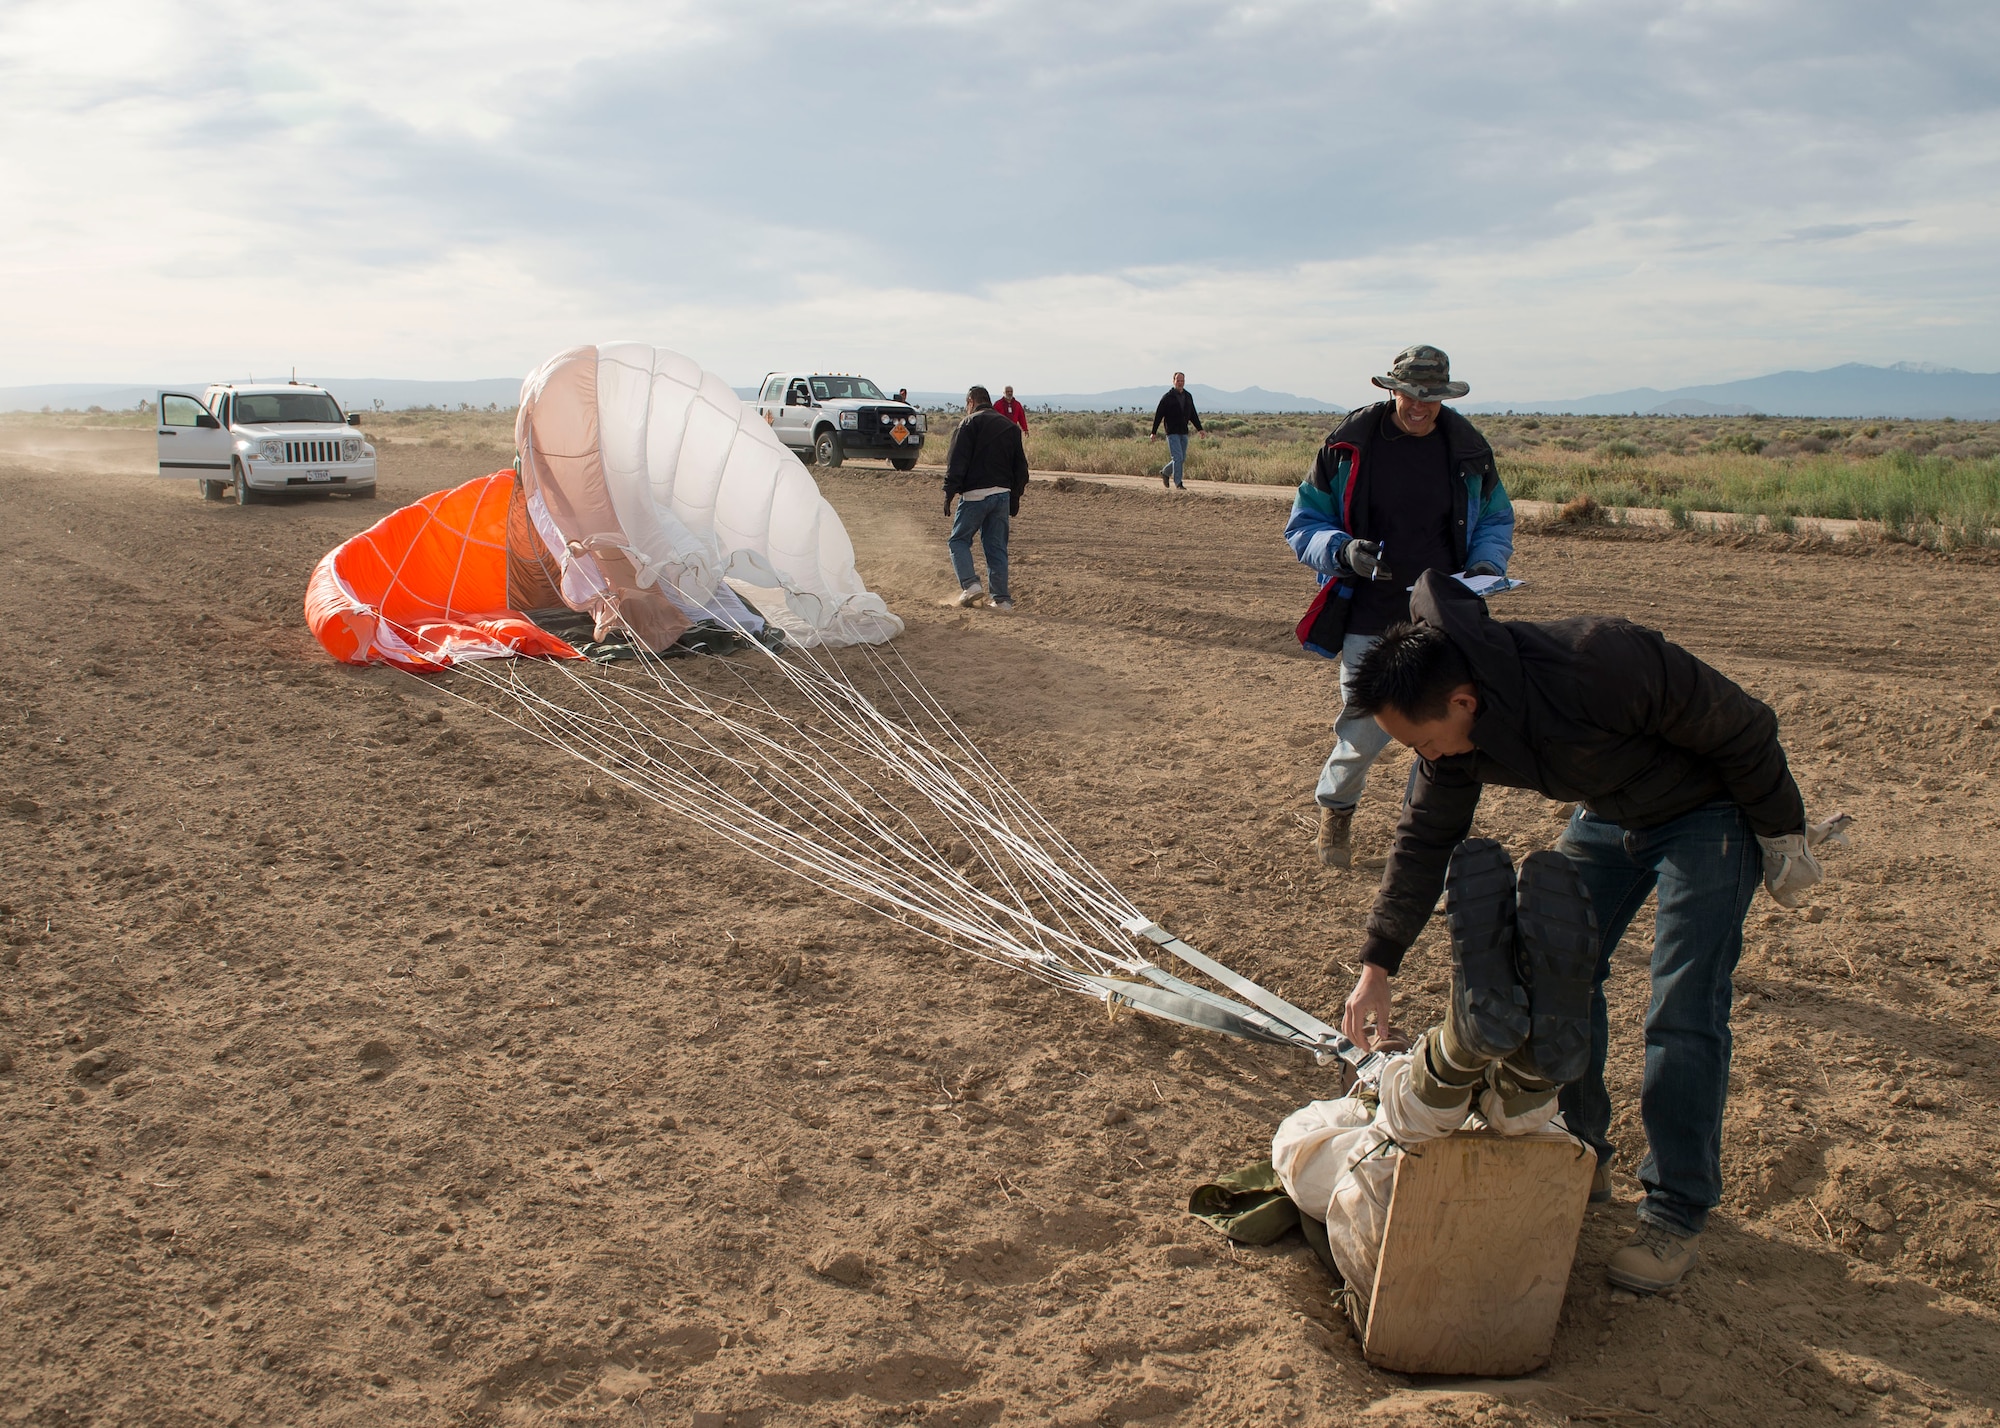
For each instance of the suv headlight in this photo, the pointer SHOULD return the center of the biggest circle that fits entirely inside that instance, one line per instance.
(271, 450)
(916, 421)
(350, 448)
(849, 421)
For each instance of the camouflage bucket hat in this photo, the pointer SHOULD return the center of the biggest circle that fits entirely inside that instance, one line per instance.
(1424, 373)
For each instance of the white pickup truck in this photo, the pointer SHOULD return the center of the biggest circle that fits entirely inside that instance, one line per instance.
(253, 439)
(826, 418)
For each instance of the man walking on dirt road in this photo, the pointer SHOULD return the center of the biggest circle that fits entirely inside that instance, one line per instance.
(1400, 487)
(986, 473)
(1176, 411)
(1682, 790)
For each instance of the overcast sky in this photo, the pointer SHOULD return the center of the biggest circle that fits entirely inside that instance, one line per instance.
(1569, 197)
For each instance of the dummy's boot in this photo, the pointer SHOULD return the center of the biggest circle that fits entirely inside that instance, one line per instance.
(1439, 1075)
(1655, 1258)
(1488, 1016)
(1558, 937)
(1335, 843)
(1518, 1088)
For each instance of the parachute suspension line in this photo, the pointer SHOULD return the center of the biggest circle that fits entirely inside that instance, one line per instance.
(743, 824)
(1077, 886)
(788, 790)
(939, 791)
(1115, 903)
(1073, 889)
(866, 800)
(835, 686)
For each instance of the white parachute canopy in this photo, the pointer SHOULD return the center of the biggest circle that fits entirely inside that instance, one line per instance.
(656, 491)
(656, 488)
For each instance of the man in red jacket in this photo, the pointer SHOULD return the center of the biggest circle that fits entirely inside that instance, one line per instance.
(1012, 410)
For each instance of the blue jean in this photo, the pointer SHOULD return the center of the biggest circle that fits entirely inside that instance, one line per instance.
(1358, 739)
(987, 519)
(1706, 866)
(1176, 457)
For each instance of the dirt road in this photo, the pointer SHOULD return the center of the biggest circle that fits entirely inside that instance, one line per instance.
(362, 1063)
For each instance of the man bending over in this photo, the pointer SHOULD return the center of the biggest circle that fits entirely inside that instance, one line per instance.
(1682, 789)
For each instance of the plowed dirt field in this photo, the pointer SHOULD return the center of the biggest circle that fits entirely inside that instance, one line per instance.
(363, 1063)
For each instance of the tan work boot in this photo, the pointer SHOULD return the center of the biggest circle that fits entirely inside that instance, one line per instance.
(1436, 1079)
(1335, 841)
(1600, 1183)
(1655, 1258)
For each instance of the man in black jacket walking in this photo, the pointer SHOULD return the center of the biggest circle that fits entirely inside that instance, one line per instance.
(1682, 788)
(986, 473)
(1176, 410)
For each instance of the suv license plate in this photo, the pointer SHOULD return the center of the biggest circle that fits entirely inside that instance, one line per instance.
(319, 475)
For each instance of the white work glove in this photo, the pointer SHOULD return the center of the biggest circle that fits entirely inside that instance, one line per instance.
(1483, 567)
(1789, 868)
(1364, 558)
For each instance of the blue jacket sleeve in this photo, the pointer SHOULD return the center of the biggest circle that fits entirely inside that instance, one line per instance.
(1490, 533)
(1313, 534)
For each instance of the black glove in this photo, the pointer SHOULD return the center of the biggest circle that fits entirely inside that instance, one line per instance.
(1364, 558)
(1483, 567)
(1014, 507)
(947, 503)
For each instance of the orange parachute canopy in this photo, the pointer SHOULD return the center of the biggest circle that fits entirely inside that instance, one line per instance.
(437, 582)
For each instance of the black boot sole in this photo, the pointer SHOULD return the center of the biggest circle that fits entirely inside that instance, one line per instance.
(1489, 1005)
(1559, 939)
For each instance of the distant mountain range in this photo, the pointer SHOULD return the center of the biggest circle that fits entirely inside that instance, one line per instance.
(1206, 399)
(362, 393)
(1907, 390)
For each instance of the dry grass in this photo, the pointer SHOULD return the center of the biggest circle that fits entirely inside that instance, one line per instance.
(1937, 482)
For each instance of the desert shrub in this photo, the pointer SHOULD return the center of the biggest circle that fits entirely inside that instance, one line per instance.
(1622, 449)
(1741, 441)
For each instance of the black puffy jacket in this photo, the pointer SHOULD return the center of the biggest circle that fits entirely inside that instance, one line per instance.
(986, 450)
(1593, 710)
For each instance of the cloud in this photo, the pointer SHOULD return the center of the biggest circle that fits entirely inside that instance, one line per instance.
(1085, 196)
(1832, 232)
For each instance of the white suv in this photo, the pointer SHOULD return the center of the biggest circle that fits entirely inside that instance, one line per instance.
(268, 437)
(826, 418)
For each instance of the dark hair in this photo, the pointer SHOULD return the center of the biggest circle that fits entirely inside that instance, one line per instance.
(979, 396)
(1412, 669)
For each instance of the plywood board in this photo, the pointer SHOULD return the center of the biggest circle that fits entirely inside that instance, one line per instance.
(1476, 1255)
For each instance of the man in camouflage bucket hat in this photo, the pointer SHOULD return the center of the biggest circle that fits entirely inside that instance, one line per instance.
(1423, 374)
(1400, 487)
